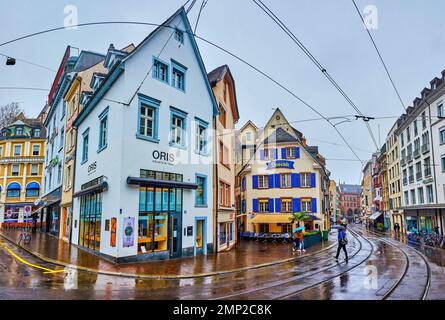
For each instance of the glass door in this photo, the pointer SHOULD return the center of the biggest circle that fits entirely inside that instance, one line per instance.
(174, 234)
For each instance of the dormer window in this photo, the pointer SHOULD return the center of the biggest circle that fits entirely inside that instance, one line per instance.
(19, 131)
(179, 36)
(36, 133)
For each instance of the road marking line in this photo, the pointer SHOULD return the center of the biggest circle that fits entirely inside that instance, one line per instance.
(28, 263)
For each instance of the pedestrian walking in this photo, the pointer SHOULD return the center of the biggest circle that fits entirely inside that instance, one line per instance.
(296, 244)
(342, 241)
(301, 242)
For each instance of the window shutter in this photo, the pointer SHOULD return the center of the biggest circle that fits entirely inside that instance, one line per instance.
(312, 180)
(314, 204)
(262, 154)
(270, 180)
(297, 152)
(255, 205)
(271, 209)
(283, 153)
(295, 180)
(275, 153)
(255, 182)
(277, 180)
(296, 205)
(277, 205)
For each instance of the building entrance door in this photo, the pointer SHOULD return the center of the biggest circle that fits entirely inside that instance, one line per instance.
(174, 234)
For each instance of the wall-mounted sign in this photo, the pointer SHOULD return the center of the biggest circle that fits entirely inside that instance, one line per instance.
(280, 164)
(92, 167)
(190, 231)
(163, 157)
(128, 232)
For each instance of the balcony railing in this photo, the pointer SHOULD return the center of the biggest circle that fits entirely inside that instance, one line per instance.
(425, 148)
(416, 153)
(427, 172)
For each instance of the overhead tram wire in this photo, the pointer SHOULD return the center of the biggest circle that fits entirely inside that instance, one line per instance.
(306, 51)
(203, 40)
(380, 56)
(203, 4)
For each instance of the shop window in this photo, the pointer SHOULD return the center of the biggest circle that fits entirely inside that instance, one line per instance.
(264, 228)
(90, 221)
(201, 191)
(222, 234)
(154, 207)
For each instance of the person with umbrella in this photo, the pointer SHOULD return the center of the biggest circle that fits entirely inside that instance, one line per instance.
(299, 240)
(342, 240)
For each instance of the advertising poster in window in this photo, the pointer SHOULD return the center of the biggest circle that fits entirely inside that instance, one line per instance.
(128, 232)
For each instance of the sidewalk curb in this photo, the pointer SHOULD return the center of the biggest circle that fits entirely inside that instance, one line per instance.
(160, 277)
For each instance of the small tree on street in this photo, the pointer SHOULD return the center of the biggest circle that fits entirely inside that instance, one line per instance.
(8, 113)
(298, 217)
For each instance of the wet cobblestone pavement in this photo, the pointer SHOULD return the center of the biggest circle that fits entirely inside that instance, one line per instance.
(380, 267)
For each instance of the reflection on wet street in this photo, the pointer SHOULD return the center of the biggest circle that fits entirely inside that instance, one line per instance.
(379, 268)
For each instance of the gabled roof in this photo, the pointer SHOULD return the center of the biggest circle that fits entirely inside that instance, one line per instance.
(118, 68)
(248, 123)
(280, 136)
(217, 75)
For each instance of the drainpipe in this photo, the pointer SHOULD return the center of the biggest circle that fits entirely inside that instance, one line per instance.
(216, 184)
(432, 152)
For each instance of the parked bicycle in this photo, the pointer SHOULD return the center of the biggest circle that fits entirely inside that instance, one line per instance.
(428, 239)
(25, 236)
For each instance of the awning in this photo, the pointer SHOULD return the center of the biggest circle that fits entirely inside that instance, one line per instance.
(271, 218)
(312, 217)
(33, 186)
(147, 182)
(14, 186)
(95, 188)
(375, 215)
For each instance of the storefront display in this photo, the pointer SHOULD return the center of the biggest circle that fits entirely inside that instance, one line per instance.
(90, 220)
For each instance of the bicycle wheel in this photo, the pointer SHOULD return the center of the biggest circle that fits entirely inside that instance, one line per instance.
(27, 239)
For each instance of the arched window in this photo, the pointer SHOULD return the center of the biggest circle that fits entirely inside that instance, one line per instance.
(13, 190)
(32, 190)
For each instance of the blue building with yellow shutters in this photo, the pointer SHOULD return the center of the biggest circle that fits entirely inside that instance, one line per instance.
(279, 174)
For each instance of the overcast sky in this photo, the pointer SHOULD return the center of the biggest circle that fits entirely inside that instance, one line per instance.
(410, 36)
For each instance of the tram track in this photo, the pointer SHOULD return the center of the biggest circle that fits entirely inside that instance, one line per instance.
(248, 294)
(427, 286)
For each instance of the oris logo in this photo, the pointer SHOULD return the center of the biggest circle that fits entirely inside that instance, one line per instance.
(163, 156)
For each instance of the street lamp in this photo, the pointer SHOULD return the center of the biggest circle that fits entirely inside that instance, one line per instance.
(10, 61)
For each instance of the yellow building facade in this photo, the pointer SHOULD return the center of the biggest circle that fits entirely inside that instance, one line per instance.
(394, 179)
(21, 167)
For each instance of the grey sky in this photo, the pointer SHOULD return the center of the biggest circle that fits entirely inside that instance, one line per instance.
(410, 37)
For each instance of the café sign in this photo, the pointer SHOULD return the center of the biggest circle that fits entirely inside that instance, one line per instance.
(280, 164)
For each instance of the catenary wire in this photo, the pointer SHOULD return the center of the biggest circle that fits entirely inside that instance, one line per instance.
(380, 56)
(274, 18)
